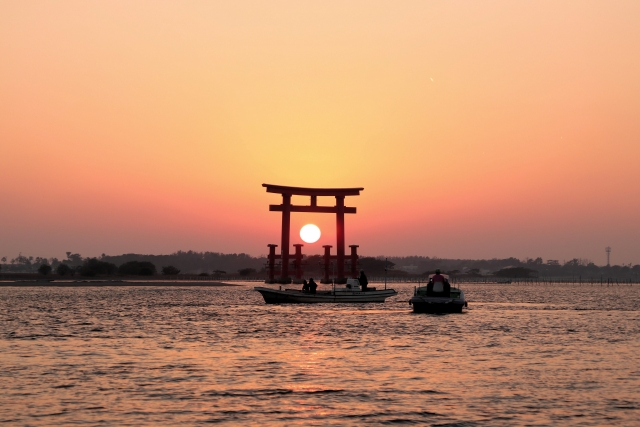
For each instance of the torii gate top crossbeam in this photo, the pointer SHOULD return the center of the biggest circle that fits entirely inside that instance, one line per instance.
(301, 191)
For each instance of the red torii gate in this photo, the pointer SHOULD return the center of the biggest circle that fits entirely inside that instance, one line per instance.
(286, 208)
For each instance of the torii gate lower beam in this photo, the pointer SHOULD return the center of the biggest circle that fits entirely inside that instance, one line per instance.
(286, 208)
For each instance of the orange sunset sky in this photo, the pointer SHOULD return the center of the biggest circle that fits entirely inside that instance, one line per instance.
(478, 129)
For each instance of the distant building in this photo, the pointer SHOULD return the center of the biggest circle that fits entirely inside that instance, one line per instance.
(553, 262)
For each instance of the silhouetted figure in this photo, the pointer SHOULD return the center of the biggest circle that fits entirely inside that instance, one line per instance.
(438, 286)
(305, 286)
(363, 280)
(312, 286)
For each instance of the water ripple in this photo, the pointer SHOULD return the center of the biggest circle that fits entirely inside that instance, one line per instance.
(521, 355)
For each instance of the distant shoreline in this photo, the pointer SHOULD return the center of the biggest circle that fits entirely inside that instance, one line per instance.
(106, 283)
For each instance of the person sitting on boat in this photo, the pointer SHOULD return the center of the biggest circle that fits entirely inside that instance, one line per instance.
(305, 286)
(363, 280)
(312, 286)
(438, 285)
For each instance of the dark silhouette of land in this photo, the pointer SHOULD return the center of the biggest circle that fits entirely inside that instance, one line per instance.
(215, 266)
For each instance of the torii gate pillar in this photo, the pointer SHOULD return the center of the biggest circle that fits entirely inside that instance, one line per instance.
(340, 234)
(286, 226)
(286, 208)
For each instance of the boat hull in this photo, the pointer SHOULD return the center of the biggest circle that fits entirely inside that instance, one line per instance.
(291, 296)
(436, 305)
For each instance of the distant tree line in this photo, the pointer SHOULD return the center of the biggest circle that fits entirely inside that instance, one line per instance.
(219, 265)
(76, 264)
(191, 262)
(516, 268)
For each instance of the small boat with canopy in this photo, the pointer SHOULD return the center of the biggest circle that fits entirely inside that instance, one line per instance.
(438, 296)
(351, 292)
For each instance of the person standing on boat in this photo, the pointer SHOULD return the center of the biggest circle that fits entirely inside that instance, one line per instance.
(438, 285)
(363, 281)
(312, 286)
(438, 277)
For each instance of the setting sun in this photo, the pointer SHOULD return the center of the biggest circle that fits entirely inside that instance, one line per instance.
(310, 233)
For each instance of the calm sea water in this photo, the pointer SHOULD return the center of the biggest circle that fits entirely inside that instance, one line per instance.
(521, 355)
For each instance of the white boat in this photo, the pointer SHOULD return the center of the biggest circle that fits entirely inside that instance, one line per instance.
(350, 293)
(438, 298)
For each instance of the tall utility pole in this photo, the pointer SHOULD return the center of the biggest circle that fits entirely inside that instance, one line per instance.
(608, 250)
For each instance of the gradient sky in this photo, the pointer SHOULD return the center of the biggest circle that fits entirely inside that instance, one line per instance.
(478, 129)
